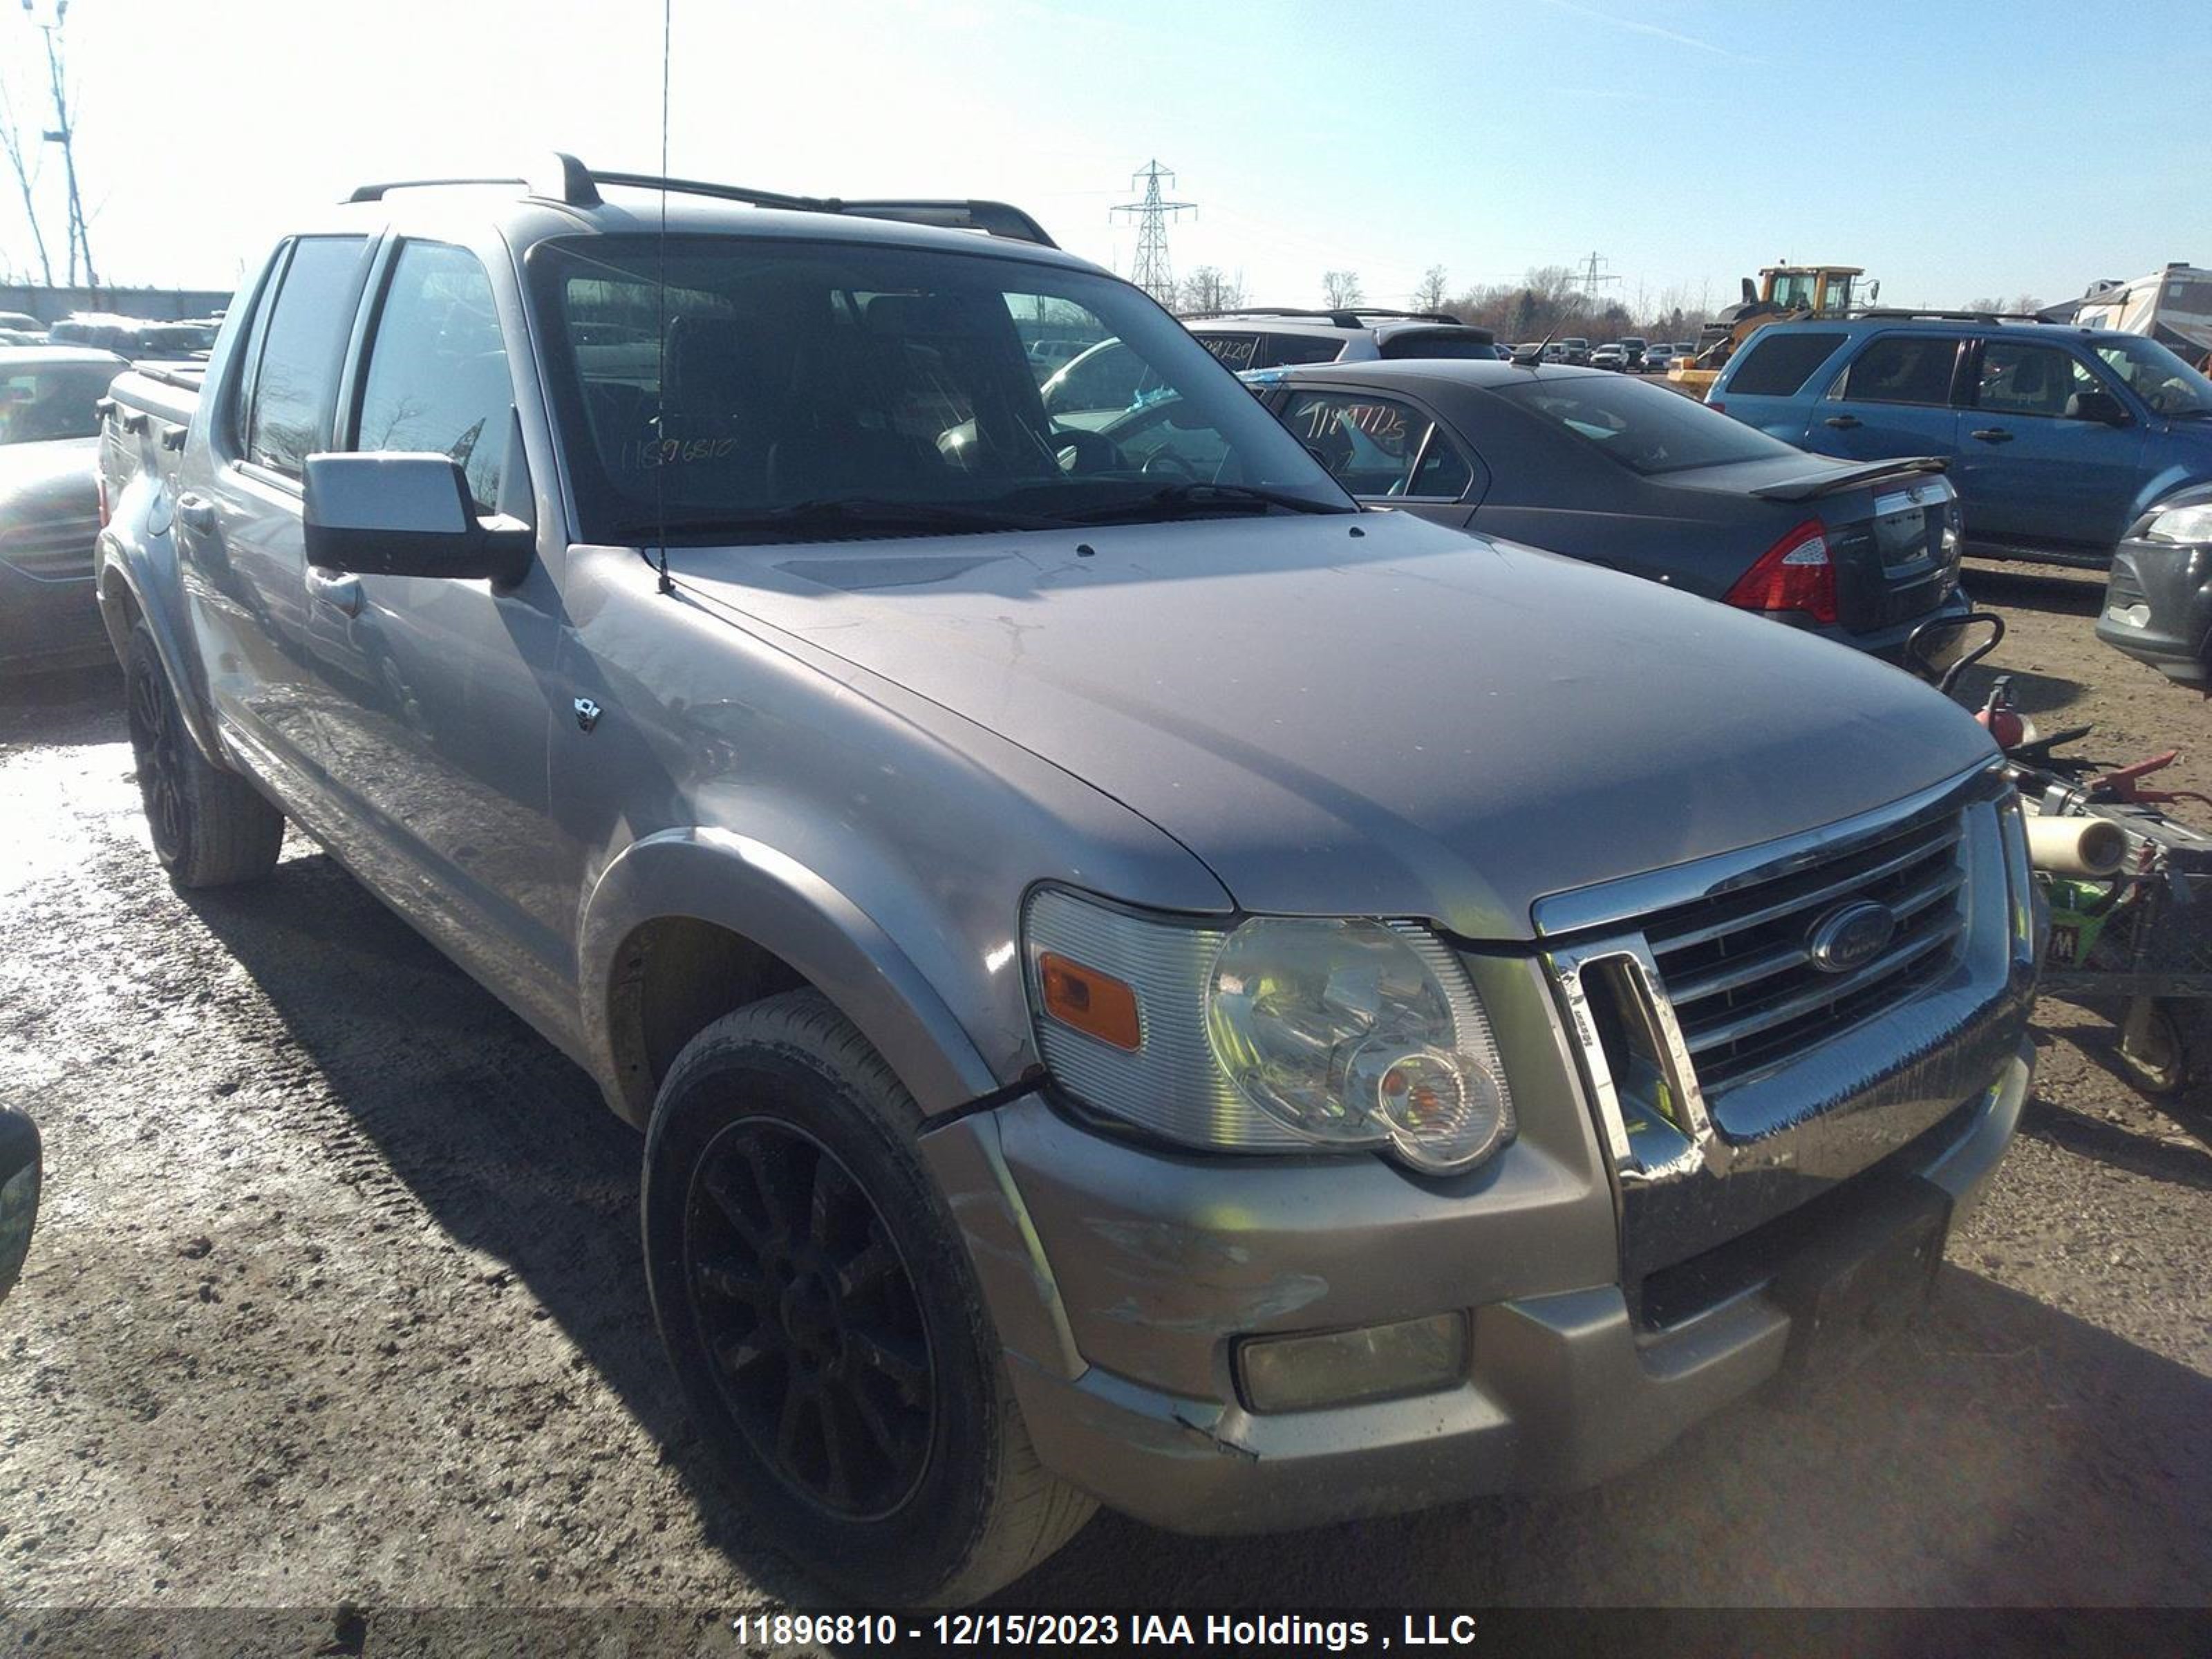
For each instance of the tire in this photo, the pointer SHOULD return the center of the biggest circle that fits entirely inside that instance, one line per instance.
(2171, 1053)
(211, 828)
(811, 1288)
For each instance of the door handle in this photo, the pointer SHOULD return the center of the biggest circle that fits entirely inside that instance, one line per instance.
(197, 512)
(1844, 423)
(1994, 434)
(339, 592)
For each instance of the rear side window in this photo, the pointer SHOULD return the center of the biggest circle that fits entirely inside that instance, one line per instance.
(1903, 368)
(1287, 350)
(1238, 351)
(1777, 365)
(437, 373)
(298, 374)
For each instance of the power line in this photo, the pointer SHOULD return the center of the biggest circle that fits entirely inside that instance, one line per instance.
(1152, 272)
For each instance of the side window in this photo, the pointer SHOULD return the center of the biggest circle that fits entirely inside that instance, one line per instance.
(2018, 378)
(1372, 445)
(298, 373)
(1237, 351)
(1443, 473)
(1284, 351)
(1903, 368)
(437, 376)
(1773, 364)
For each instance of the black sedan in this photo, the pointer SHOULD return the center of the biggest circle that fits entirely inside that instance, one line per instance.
(1625, 473)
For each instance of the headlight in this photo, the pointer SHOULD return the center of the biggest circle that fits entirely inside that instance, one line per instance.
(2180, 524)
(1284, 1033)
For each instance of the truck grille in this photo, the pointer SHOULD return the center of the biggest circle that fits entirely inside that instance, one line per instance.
(1738, 966)
(53, 549)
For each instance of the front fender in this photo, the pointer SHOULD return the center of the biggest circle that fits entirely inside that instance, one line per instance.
(138, 580)
(770, 898)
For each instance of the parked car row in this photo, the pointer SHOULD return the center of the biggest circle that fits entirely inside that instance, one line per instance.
(138, 337)
(1142, 982)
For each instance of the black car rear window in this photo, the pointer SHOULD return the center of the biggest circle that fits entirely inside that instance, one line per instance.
(1777, 365)
(1643, 428)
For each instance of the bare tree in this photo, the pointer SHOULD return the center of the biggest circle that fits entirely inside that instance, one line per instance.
(11, 140)
(1341, 288)
(1433, 293)
(1209, 289)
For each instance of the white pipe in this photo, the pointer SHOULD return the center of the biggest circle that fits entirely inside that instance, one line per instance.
(2075, 847)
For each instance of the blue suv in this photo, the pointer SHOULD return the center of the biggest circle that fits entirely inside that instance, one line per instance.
(2059, 439)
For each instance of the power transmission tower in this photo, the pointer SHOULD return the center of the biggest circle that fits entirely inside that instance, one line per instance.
(63, 133)
(1153, 273)
(1593, 279)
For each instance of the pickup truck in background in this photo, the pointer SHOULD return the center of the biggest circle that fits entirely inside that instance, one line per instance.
(1142, 982)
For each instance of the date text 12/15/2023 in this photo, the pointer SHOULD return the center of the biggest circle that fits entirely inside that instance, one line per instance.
(1277, 1633)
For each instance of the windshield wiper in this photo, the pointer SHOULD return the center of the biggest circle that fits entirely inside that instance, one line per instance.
(1221, 497)
(859, 513)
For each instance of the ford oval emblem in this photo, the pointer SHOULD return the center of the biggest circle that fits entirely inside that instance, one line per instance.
(1850, 936)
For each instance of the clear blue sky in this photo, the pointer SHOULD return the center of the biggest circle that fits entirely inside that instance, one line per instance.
(1955, 147)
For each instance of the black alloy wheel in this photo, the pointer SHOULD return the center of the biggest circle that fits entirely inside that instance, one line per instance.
(811, 1319)
(157, 741)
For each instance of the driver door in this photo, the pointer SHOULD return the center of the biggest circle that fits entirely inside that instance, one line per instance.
(438, 690)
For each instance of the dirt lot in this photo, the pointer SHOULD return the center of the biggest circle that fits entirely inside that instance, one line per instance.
(336, 1298)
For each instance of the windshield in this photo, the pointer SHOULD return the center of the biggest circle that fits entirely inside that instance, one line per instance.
(1643, 428)
(52, 400)
(832, 390)
(2161, 379)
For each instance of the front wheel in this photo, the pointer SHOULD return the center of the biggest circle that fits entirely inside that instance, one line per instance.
(209, 827)
(823, 1320)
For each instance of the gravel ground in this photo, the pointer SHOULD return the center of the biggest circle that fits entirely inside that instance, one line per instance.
(337, 1299)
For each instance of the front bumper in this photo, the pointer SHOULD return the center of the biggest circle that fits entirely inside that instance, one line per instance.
(1120, 1275)
(2158, 608)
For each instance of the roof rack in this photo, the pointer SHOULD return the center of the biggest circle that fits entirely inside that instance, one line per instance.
(569, 181)
(1340, 316)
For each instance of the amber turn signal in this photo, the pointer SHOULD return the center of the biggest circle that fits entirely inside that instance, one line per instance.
(1083, 999)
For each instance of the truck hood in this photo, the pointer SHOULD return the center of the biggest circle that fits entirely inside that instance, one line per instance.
(1372, 716)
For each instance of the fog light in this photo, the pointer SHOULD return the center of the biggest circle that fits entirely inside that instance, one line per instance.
(1341, 1368)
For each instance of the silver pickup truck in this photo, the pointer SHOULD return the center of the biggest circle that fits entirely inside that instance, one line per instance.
(1143, 983)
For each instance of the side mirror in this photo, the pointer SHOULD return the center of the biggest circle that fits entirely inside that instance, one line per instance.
(19, 1193)
(406, 515)
(2101, 406)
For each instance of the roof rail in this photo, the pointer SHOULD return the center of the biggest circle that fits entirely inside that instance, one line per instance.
(1911, 312)
(560, 179)
(568, 180)
(1340, 316)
